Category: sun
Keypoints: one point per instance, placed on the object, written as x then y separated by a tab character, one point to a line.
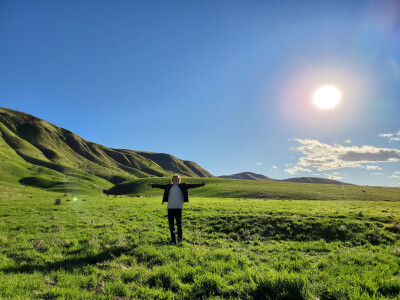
327	96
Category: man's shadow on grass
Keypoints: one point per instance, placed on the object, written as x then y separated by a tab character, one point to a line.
69	264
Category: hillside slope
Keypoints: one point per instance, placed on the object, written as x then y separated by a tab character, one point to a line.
36	152
246	176
314	180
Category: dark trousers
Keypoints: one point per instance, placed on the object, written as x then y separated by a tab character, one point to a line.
175	214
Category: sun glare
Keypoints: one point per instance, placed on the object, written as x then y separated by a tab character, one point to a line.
327	96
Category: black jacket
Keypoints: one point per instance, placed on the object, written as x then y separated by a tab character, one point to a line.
183	186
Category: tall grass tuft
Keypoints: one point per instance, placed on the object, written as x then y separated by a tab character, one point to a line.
284	286
389	288
116	289
165	278
207	285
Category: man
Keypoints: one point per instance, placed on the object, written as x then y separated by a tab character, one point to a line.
175	194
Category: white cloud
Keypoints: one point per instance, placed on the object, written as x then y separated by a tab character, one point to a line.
386	135
391	136
331	157
394	176
373	168
296	169
347	141
275	167
377	173
259	164
334	177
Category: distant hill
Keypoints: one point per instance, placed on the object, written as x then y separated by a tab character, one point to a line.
313	180
36	152
254	176
246	176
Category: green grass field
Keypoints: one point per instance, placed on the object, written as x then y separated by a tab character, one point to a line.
341	244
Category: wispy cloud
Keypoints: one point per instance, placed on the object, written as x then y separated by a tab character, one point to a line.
275	167
391	136
386	135
296	170
347	141
395	175
331	157
333	177
373	168
259	164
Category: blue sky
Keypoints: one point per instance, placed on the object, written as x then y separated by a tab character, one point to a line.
227	84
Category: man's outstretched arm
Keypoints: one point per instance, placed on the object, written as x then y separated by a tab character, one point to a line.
160	186
192	186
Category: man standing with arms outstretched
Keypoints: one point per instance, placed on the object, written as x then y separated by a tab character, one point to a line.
175	194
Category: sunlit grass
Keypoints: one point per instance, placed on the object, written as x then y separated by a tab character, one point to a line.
107	247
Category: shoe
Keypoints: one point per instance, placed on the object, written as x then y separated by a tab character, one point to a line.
172	242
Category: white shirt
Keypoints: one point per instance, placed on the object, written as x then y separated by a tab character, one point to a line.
175	197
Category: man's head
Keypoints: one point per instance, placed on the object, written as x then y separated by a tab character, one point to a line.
176	179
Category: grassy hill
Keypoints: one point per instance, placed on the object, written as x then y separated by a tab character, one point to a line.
35	152
247	176
314	180
261	189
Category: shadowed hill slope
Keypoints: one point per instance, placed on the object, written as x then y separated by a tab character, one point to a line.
32	147
169	162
